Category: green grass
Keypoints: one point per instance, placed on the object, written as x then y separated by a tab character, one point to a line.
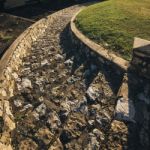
115	23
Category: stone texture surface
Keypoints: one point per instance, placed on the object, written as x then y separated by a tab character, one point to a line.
12	60
9	66
65	99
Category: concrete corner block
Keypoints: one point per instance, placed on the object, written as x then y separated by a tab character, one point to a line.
141	57
104	55
141	46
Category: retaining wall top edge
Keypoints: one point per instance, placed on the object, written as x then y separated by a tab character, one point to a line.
108	55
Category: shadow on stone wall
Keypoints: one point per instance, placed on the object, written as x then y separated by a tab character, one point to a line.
139	129
90	63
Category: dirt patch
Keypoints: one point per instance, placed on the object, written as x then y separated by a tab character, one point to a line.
10	28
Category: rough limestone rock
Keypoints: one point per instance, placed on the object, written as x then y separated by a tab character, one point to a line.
92	94
45	135
8	123
41	109
53	120
125	110
57	145
5	147
28	144
44	62
26	83
3	92
18	103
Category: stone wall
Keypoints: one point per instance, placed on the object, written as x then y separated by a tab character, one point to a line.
9	67
133	101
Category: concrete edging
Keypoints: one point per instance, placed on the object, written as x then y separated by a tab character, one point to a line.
103	53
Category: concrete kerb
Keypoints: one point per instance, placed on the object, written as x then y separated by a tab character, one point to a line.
9	65
101	52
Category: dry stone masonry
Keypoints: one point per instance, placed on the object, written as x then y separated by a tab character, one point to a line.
56	95
61	99
9	66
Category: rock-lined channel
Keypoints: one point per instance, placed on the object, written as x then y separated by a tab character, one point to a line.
62	100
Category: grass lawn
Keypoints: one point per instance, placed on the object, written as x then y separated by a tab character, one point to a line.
115	23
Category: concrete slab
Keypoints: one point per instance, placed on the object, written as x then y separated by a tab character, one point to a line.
141	47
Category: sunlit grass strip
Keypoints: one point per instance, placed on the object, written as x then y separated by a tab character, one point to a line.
115	23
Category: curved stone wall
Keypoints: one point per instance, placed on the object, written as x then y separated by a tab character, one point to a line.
91	48
9	66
